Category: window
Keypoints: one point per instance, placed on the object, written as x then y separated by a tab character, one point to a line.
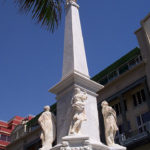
143	95
112	75
125	105
140	58
139	97
141	125
8	139
121	128
117	108
134	100
4	137
104	81
123	69
132	63
146	117
135	61
142	120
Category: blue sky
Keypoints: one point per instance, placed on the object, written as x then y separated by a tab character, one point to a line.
31	57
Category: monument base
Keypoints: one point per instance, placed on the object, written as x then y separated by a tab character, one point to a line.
78	142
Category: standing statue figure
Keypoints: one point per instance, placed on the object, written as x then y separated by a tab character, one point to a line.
48	126
78	105
110	122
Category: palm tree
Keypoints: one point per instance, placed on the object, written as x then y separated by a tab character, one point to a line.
46	12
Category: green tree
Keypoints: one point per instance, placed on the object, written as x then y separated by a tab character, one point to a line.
46	12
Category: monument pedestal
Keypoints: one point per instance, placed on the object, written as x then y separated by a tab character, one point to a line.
79	142
65	92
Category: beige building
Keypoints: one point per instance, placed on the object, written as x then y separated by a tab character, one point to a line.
127	84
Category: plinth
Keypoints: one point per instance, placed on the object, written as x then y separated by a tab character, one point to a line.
79	142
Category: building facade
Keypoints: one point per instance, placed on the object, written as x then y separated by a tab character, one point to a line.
26	136
127	89
5	130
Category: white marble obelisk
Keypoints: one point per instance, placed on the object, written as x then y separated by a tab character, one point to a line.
74	53
73	107
75	74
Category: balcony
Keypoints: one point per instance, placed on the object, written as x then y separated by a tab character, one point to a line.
4	130
3	143
135	138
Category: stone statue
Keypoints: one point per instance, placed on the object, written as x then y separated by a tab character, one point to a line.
78	105
48	126
110	122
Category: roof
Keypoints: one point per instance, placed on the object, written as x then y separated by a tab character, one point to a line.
34	121
132	54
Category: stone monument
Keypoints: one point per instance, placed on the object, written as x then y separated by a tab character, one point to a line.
77	114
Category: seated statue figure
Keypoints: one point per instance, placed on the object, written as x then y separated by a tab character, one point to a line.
110	122
48	125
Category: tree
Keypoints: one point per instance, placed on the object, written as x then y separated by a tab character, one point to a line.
46	12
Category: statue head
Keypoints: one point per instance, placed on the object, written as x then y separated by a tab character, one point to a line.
77	90
104	103
47	108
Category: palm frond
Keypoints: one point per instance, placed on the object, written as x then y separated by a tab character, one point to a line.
46	12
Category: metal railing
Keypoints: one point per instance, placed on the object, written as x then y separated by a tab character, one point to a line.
133	136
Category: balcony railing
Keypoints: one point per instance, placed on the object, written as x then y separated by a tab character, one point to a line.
134	136
4	142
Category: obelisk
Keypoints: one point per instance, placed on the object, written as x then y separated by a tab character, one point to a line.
77	114
75	75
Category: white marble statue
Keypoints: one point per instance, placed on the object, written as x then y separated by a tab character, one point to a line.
78	105
110	122
48	126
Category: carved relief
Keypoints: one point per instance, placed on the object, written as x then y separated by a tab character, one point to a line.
78	105
66	146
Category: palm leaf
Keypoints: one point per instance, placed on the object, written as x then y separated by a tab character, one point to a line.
46	12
